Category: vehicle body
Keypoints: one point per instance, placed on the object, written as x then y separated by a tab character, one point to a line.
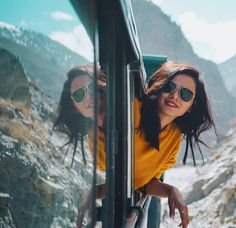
43	189
113	31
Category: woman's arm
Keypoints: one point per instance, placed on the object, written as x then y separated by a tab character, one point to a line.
175	199
85	205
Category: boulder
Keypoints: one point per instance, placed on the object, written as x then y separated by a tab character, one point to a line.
14	83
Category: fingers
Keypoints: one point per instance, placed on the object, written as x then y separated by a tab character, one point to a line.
79	222
183	211
172	210
176	201
80	218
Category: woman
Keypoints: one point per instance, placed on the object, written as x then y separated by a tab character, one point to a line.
175	104
76	105
75	115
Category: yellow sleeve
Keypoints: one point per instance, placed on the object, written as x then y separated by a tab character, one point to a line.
101	156
171	161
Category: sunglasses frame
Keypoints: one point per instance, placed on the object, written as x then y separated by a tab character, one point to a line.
85	89
178	88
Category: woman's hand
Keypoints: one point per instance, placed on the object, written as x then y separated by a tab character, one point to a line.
83	208
80	217
86	203
176	201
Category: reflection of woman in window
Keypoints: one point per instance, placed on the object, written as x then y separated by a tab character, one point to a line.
176	104
76	105
76	115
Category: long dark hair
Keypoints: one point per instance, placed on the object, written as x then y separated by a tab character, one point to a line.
69	120
192	124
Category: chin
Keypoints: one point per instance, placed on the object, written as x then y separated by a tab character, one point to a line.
89	115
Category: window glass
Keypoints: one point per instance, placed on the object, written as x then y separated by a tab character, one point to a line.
43	180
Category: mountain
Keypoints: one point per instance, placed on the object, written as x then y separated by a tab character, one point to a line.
159	35
228	72
36	188
15	86
45	61
209	190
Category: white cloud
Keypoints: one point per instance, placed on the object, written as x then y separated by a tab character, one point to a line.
61	16
214	41
77	40
156	2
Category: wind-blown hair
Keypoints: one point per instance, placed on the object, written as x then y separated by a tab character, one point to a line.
69	120
192	124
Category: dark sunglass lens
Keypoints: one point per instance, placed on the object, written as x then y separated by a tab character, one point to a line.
169	87
186	94
78	95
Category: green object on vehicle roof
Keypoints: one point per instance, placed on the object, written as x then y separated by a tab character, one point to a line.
152	63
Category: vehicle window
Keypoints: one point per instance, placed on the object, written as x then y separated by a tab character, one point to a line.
46	110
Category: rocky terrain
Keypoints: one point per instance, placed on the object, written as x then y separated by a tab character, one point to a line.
44	60
210	190
36	189
228	72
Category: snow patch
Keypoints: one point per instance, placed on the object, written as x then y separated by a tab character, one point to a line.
9	26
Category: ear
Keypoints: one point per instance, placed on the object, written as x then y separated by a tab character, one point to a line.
193	104
191	107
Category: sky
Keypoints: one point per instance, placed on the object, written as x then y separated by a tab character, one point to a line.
210	26
55	18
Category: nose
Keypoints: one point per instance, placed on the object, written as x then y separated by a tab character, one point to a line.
89	95
175	94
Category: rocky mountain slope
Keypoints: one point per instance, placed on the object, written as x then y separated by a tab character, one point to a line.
14	84
210	190
36	189
228	72
160	36
45	61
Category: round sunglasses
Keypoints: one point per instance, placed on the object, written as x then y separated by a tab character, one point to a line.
184	93
80	93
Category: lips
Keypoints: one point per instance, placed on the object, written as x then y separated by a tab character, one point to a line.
90	105
171	104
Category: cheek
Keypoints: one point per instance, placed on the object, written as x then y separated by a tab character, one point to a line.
79	107
186	107
161	98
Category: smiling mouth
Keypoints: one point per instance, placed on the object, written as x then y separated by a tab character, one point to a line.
171	104
90	105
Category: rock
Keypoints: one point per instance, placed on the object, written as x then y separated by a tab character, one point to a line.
14	82
222	177
45	193
196	192
49	189
211	192
5	200
217	208
6	219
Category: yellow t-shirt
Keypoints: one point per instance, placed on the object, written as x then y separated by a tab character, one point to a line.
149	162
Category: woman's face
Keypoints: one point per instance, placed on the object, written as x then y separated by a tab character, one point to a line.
172	104
82	97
